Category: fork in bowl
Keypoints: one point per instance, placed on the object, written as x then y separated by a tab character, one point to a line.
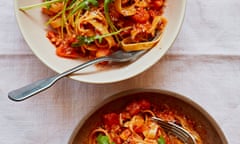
41	85
176	130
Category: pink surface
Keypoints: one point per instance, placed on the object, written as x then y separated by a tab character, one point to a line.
203	64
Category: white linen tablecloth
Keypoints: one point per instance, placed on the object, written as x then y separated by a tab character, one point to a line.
203	64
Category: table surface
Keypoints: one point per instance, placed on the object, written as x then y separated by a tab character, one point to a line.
203	64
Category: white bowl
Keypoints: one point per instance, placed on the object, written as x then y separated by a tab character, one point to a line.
33	30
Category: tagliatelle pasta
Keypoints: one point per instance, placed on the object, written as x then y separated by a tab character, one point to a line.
133	125
95	28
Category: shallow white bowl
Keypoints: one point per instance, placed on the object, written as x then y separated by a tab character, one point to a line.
33	30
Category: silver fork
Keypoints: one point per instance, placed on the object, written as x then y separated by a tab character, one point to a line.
176	130
41	85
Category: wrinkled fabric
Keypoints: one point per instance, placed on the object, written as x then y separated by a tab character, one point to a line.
203	64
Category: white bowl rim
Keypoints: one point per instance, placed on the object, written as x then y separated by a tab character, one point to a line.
121	76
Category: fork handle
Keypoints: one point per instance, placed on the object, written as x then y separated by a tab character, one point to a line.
41	85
